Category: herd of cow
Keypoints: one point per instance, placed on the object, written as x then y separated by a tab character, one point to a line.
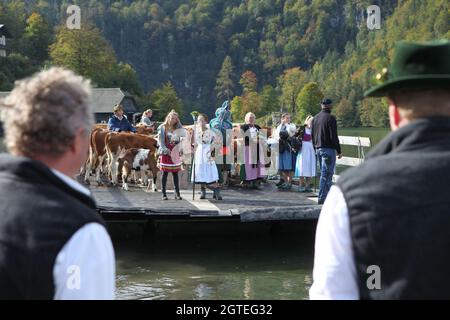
115	154
119	155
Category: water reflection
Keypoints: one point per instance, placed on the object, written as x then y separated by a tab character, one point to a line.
247	288
232	262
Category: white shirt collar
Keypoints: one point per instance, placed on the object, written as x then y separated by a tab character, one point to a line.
71	182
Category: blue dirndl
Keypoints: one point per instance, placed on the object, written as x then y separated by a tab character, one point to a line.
286	161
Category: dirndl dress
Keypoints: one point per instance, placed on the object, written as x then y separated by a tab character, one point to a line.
286	161
306	159
170	162
205	167
254	167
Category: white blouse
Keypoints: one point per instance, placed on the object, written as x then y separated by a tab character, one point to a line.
85	267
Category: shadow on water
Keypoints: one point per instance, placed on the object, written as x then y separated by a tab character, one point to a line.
214	260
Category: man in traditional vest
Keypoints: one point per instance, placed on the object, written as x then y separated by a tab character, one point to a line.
383	232
53	244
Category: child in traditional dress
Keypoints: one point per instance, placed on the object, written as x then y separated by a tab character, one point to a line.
205	170
170	133
306	159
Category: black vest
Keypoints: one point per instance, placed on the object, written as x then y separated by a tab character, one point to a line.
39	214
399	207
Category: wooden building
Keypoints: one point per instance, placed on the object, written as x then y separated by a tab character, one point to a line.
103	101
4	34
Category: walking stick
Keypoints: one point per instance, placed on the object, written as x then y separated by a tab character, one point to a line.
194	115
193	172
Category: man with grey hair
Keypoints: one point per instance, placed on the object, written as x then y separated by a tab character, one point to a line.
53	244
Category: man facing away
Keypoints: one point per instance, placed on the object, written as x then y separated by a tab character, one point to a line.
118	122
383	232
53	244
326	142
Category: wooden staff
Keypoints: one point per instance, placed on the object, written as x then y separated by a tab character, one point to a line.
194	115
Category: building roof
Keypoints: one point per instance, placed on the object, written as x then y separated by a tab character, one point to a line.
4	31
104	99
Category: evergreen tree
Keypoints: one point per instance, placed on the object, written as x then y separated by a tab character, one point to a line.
37	38
166	99
12	67
224	82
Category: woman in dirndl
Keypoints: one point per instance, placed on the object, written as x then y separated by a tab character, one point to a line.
253	169
170	133
306	159
205	170
286	156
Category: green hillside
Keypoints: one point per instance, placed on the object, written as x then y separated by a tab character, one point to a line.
276	49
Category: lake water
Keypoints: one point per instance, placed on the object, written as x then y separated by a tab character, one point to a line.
219	261
234	261
375	135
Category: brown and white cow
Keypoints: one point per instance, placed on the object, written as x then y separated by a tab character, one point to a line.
103	126
116	142
145	130
97	154
142	160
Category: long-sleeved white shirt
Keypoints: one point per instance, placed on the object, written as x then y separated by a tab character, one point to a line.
334	273
85	267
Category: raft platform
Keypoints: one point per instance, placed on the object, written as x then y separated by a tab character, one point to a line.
239	204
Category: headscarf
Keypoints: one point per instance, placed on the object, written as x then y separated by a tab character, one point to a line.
222	121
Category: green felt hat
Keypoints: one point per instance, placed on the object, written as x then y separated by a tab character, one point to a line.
416	66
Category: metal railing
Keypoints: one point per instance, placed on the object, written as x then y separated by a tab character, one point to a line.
360	143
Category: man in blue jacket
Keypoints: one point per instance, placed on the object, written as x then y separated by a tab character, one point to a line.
118	122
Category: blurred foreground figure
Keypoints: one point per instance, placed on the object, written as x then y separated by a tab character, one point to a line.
383	232
53	244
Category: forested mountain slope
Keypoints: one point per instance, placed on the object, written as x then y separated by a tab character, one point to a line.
282	44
